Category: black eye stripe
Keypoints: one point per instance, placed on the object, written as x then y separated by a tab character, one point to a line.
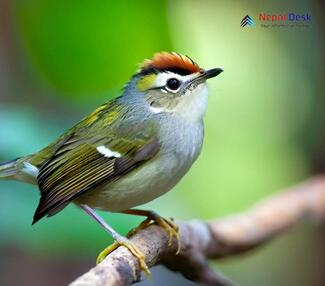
177	70
173	83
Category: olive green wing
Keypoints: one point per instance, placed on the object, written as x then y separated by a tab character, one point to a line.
82	163
105	116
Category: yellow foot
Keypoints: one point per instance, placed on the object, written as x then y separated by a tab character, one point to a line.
167	224
122	241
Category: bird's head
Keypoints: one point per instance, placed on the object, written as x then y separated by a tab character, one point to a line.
171	82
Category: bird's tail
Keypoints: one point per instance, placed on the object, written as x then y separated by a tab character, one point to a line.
19	169
8	169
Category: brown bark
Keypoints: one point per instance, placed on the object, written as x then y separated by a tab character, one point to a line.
201	241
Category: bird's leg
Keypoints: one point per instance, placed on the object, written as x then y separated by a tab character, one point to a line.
152	217
119	241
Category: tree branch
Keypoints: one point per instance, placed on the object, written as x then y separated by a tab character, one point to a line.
214	240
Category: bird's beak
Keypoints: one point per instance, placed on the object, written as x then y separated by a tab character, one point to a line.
204	75
211	73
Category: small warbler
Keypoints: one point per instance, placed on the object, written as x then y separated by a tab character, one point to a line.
129	151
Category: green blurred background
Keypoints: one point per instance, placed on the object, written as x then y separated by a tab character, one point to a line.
264	126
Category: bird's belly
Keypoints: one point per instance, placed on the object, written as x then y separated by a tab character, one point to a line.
140	186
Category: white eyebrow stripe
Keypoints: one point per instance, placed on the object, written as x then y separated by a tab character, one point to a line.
107	152
164	76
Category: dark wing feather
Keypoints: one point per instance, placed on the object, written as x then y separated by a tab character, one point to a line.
77	167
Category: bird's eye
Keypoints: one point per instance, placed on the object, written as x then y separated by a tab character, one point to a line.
173	83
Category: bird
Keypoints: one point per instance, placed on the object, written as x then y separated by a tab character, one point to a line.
129	151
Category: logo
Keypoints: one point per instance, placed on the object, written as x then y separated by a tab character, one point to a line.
284	17
285	20
278	20
247	20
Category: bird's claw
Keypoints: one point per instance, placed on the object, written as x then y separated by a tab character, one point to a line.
122	241
168	224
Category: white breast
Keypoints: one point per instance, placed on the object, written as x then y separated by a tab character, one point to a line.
178	152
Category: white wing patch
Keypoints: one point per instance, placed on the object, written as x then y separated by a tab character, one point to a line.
30	170
107	152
